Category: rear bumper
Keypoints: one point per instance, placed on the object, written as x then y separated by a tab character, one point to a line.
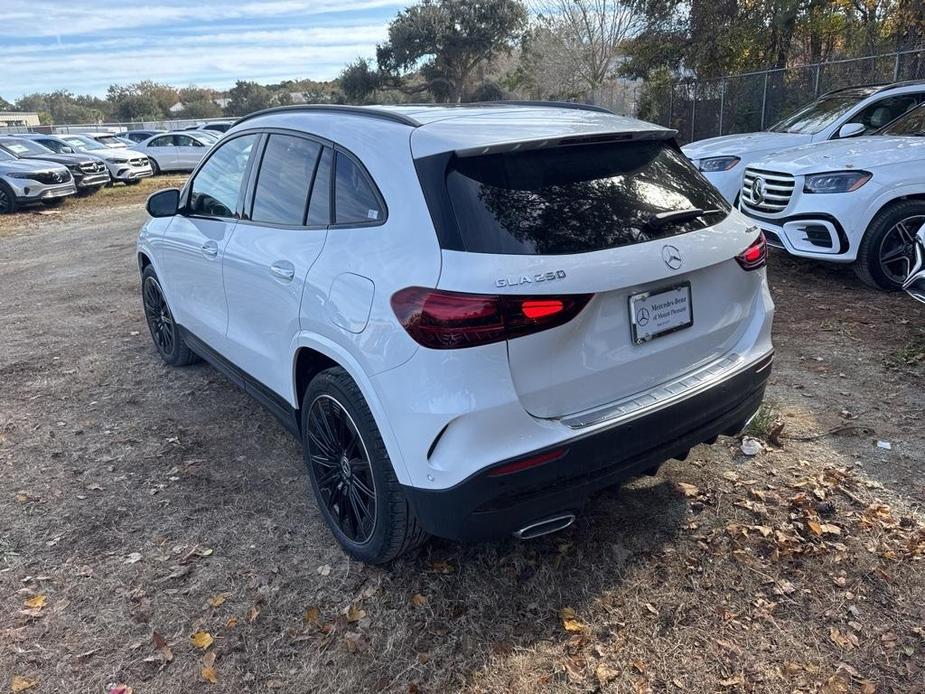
484	506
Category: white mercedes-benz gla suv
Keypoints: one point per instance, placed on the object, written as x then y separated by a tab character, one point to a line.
473	317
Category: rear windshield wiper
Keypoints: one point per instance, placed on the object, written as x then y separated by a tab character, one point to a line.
661	219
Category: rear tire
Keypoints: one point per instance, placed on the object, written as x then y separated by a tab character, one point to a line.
887	251
164	330
351	473
7	199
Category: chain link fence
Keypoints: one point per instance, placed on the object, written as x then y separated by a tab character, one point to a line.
175	124
698	109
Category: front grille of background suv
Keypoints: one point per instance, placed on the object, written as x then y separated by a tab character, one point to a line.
142	161
778	189
93	167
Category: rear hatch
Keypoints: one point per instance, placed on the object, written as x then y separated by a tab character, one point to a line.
629	222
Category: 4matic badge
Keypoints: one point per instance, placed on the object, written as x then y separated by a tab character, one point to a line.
530	279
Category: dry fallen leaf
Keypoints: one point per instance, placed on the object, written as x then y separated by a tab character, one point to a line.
121	689
814	526
418	600
218	600
163	648
688	490
36	603
324	569
209	674
605	673
232	622
355	613
202	639
21	684
440	566
570	621
312	616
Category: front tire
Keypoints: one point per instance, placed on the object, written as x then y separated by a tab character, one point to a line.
164	330
7	199
351	473
887	251
154	167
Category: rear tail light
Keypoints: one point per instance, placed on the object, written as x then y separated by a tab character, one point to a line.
452	320
756	255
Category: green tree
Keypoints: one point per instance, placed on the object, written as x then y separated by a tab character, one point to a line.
444	41
149	100
61	107
5	105
246	97
359	81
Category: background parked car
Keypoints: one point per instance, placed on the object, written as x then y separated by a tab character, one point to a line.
215	126
89	173
108	139
839	114
124	165
29	181
176	151
140	135
858	201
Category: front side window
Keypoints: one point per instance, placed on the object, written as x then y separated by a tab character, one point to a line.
885	111
579	198
284	180
354	199
216	190
55	146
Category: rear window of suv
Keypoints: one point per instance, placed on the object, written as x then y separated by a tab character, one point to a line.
575	199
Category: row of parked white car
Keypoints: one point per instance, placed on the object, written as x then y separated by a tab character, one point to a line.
42	168
841	180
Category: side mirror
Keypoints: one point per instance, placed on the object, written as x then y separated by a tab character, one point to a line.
163	203
850	130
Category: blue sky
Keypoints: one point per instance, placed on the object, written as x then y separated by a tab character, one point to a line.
86	45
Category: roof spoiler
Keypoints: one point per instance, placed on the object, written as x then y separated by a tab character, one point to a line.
569	141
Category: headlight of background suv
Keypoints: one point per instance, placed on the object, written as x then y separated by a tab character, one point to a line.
21	174
836	181
714	164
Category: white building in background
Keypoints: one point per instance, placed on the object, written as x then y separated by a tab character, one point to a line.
18	119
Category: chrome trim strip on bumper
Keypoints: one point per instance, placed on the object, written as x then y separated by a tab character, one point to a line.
667	393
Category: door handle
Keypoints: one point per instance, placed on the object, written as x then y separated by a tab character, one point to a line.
209	249
283	270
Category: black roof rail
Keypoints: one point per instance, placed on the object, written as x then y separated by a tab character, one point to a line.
367	111
548	104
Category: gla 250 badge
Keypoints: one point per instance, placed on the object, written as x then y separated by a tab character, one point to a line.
530	279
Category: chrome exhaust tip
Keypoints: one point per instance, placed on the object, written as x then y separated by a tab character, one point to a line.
545	526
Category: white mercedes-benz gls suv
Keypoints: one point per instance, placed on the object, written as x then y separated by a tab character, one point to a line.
473	317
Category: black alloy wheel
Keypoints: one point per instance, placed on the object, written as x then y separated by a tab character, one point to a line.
341	466
160	320
897	248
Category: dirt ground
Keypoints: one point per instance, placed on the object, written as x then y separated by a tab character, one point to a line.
158	530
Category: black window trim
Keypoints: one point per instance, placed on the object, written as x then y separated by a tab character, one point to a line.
186	192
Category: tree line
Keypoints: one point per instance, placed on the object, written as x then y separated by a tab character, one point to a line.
477	50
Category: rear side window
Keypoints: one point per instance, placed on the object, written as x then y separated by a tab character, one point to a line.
284	180
355	202
576	199
217	187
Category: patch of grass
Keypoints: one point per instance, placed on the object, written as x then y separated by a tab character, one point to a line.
767	416
910	354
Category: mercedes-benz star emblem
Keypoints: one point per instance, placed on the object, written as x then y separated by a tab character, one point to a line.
642	317
672	257
758	189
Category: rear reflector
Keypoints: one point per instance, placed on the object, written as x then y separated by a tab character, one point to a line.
527	463
453	320
756	255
